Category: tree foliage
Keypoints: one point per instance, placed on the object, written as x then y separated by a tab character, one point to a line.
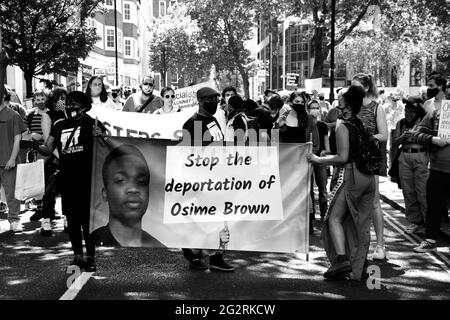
46	36
175	46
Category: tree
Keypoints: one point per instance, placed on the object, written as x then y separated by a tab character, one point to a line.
403	29
175	46
46	36
225	26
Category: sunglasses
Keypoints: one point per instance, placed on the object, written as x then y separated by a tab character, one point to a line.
147	84
170	96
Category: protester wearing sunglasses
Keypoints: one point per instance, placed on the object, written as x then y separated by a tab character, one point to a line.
144	101
168	95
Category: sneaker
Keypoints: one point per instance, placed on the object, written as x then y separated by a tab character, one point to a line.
90	265
46	228
16	226
216	262
379	253
425	246
36	216
338	269
198	264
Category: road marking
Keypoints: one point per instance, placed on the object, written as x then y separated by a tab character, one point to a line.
76	286
444	265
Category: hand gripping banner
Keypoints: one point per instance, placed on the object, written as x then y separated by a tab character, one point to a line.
160	193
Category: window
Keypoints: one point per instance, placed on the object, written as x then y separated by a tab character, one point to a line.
110	38
127	47
162	8
109	3
126	11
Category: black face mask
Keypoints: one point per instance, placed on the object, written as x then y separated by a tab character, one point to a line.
321	98
210	107
431	93
114	95
298	107
74	113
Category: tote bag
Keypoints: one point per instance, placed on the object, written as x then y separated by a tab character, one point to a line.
30	181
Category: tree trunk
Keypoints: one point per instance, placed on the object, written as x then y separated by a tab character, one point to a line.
245	82
319	53
28	75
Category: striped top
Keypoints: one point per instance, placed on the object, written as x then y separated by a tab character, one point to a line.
367	115
33	122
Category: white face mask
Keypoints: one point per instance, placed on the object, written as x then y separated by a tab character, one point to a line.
147	89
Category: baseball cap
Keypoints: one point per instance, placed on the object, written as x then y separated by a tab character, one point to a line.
269	91
414	101
206	92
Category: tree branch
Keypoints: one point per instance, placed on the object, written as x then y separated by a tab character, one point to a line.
352	26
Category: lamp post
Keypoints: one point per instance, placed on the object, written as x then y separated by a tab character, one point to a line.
333	21
115	38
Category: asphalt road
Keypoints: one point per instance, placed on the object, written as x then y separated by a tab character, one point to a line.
34	267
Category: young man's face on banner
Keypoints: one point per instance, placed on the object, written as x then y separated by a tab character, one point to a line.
127	189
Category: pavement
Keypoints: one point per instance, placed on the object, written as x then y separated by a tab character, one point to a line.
33	267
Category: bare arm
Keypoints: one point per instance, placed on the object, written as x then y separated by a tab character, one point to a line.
15	151
342	145
47	148
382	126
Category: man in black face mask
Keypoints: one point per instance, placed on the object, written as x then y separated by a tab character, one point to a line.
435	93
74	139
203	127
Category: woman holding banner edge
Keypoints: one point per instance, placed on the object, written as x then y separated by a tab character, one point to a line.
346	229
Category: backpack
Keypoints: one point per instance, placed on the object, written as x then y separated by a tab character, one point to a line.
368	157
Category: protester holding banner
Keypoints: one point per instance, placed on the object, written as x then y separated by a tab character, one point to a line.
96	90
373	117
126	181
320	172
144	101
346	230
203	127
73	137
168	96
236	127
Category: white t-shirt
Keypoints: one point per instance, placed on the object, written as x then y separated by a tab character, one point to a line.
107	104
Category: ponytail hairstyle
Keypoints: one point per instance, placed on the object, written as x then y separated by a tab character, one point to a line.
367	82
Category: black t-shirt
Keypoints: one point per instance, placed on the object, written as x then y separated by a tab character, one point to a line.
75	156
55	115
104	237
210	128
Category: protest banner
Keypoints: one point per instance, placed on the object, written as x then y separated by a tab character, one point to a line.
260	193
155	126
444	121
313	84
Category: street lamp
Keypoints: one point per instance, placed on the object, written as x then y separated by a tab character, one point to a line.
115	38
333	21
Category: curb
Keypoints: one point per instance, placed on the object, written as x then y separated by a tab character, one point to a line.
396	206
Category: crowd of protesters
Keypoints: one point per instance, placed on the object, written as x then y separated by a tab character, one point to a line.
347	211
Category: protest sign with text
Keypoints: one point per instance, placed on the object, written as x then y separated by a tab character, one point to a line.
444	121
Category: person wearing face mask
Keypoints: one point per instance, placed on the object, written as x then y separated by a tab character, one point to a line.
56	111
116	98
346	229
204	127
325	106
412	164
436	85
144	101
320	172
296	125
373	117
96	90
73	137
438	183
